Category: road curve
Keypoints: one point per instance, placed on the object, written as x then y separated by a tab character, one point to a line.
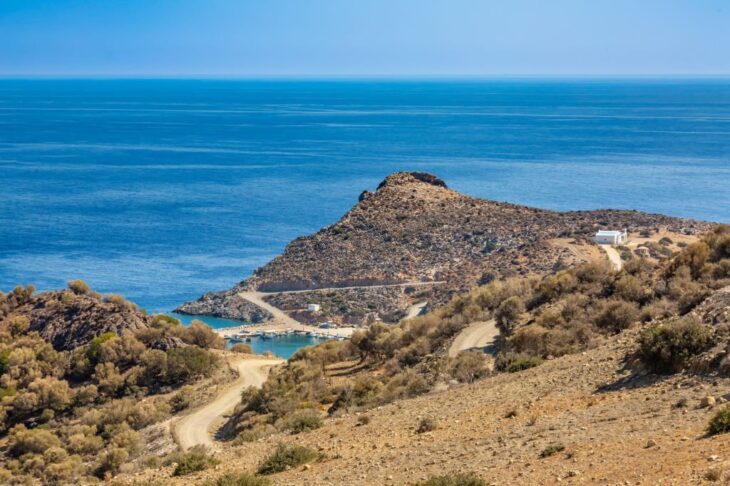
196	427
481	335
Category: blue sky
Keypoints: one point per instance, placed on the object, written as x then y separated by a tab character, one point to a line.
364	37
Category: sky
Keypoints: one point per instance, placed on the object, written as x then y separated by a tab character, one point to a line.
364	37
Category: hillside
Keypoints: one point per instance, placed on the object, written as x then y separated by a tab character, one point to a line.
414	229
85	378
601	376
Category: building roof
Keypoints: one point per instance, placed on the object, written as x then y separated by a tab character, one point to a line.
608	233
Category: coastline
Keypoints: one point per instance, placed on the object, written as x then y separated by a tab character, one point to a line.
288	328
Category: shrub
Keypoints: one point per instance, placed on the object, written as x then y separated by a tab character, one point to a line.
427	424
720	423
31	441
184	364
286	457
513	362
667	347
182	399
508	313
240	479
79	287
469	366
195	459
18	325
552	450
303	421
242	348
615	315
453	480
111	461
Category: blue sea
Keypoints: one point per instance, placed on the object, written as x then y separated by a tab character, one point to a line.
163	189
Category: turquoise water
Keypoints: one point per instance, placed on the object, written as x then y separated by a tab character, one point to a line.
163	189
282	346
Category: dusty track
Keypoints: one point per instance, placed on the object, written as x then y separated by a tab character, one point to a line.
480	335
196	427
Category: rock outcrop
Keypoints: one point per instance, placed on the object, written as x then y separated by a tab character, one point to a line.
68	320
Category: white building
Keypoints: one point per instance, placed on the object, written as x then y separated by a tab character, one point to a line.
313	307
610	237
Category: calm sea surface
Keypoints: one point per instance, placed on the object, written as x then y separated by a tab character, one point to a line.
161	190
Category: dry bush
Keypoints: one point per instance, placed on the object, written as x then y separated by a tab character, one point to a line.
79	287
668	347
286	457
242	348
468	366
614	315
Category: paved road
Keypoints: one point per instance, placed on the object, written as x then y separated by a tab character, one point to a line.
196	427
613	256
480	335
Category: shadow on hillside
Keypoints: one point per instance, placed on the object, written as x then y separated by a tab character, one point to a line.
631	382
637	378
346	369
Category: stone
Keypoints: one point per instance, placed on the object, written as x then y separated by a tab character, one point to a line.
708	401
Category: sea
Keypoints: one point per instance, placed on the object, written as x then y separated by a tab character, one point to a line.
162	189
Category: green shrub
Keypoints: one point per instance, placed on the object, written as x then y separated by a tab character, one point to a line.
720	423
453	480
184	364
667	347
286	457
240	479
196	459
513	362
303	421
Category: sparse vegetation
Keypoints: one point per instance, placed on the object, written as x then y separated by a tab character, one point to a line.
720	422
427	424
303	421
458	479
196	459
551	450
241	479
286	457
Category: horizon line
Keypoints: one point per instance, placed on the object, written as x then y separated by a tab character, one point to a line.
423	76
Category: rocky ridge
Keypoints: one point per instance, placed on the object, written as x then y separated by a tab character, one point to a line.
68	320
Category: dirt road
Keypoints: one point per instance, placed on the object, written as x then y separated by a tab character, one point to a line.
478	335
196	427
613	256
416	309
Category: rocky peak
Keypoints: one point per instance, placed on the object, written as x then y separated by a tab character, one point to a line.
405	178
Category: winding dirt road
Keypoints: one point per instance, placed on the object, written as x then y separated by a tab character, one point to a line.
481	335
197	427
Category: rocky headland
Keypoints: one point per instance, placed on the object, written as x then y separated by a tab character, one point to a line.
413	228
